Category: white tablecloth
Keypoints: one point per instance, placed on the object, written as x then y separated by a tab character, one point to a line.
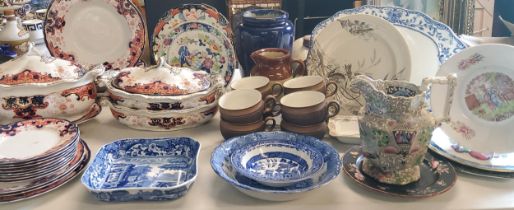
211	192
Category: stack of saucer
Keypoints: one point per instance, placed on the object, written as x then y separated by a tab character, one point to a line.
37	156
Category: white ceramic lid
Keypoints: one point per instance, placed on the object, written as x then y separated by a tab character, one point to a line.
162	79
32	67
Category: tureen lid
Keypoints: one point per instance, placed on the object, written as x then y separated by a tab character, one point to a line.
162	79
33	67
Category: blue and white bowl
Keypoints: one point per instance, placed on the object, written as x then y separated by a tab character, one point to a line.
143	169
277	163
221	164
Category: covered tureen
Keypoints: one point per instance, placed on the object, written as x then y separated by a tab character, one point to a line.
33	86
163	97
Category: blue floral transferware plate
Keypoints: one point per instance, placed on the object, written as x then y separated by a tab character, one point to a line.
437	177
220	162
277	163
197	45
143	169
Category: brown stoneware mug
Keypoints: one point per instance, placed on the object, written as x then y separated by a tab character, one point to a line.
260	83
307	108
229	130
276	64
316	130
314	83
246	106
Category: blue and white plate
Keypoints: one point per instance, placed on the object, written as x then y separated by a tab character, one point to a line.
143	169
220	162
277	163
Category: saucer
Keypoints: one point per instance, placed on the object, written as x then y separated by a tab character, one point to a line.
437	177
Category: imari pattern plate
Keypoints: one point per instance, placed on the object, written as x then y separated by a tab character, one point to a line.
95	32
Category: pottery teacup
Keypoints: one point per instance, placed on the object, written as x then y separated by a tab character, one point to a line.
316	130
246	106
314	83
229	130
260	83
307	108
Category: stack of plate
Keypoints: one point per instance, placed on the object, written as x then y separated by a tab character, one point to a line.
37	156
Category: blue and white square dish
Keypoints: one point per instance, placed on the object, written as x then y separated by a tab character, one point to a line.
221	164
143	169
277	163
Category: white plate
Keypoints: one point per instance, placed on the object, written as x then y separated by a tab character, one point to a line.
93	32
357	44
482	115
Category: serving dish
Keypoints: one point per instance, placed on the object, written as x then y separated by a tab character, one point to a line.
277	163
196	45
437	177
60	180
162	88
95	32
164	120
482	115
378	50
33	86
220	163
143	169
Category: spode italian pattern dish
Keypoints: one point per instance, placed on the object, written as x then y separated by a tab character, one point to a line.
196	45
220	163
143	169
380	52
482	117
33	86
93	32
277	163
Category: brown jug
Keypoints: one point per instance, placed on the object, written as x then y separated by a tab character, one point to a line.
276	64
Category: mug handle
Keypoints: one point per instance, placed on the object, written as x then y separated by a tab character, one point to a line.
269	127
451	82
270	103
300	68
334	89
334	105
277	89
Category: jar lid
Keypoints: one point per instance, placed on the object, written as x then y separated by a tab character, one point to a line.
33	67
162	79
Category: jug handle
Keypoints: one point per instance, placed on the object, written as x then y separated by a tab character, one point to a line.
300	68
451	82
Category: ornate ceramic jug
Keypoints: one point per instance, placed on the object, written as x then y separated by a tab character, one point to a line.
276	64
396	127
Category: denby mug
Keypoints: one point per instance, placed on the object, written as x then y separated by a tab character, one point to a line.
260	83
307	108
246	106
276	64
314	83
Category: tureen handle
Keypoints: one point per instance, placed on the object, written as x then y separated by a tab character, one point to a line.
162	63
451	82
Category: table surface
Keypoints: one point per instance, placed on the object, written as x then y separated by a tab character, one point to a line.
211	192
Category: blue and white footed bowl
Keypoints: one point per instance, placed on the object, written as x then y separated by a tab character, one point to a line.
221	164
143	169
277	163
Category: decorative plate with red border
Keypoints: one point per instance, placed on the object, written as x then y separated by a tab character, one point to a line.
93	32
